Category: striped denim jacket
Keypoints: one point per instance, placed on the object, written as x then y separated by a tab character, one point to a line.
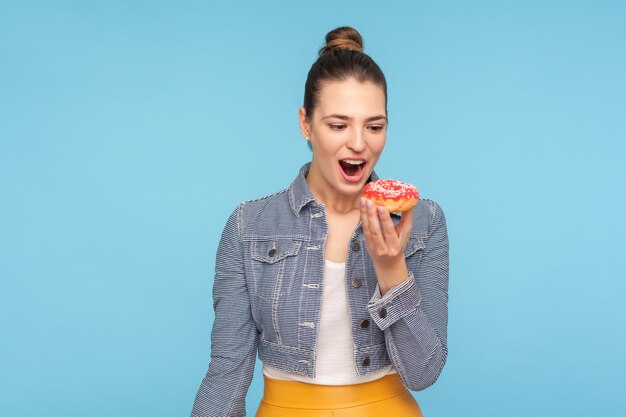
267	295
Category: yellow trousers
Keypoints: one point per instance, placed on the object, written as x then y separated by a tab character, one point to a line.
386	396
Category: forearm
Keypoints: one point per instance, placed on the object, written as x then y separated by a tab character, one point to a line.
223	390
415	348
414	313
234	336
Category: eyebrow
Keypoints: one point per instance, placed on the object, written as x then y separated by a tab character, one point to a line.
344	117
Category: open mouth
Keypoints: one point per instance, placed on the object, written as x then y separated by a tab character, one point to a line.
352	168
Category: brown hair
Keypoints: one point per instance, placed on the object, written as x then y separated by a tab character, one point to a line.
341	58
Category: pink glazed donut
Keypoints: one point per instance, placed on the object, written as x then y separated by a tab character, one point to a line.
395	196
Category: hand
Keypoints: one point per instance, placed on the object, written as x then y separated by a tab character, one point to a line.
386	243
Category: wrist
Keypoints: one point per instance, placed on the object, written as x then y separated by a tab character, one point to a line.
390	276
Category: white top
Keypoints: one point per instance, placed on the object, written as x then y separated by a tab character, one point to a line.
334	364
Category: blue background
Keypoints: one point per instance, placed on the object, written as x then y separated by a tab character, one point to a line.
130	130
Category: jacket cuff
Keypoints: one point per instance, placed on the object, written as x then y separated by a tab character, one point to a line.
397	302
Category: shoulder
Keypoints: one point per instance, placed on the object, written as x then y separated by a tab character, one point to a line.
259	205
264	212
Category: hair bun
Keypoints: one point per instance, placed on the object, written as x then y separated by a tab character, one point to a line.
344	37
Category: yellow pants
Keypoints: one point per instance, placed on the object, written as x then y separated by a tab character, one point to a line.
386	396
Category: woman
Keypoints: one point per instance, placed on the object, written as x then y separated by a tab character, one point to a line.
345	302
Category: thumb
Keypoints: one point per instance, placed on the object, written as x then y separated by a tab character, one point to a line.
403	228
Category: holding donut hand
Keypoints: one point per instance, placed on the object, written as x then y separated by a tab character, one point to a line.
385	241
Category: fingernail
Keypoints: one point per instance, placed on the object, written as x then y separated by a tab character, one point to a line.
362	202
381	210
369	204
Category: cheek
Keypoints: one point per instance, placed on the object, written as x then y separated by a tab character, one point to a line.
327	147
377	145
323	151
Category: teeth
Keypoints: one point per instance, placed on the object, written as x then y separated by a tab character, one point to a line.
352	162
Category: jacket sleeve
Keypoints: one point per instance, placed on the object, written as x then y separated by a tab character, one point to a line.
234	337
414	313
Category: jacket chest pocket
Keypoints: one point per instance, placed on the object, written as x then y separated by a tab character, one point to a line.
274	263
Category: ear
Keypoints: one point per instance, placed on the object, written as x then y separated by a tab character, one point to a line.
305	126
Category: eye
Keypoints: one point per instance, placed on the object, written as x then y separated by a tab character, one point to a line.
337	126
376	128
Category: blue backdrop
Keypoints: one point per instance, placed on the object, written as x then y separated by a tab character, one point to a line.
120	122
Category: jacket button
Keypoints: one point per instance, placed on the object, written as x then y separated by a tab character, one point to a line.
365	323
272	252
356	247
366	361
356	282
382	312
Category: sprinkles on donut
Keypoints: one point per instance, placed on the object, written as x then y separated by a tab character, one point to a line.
395	196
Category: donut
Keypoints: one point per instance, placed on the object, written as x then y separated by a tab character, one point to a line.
395	196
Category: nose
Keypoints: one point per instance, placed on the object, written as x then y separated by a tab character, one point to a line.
357	141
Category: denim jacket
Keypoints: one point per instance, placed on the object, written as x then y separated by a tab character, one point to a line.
267	296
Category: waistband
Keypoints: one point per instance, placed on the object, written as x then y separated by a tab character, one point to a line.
297	394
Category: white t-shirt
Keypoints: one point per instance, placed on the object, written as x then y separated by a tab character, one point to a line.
334	363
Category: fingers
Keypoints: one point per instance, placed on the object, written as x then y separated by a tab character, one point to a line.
407	224
380	232
365	222
371	227
364	219
389	230
403	228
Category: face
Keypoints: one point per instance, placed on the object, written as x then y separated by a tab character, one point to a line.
347	132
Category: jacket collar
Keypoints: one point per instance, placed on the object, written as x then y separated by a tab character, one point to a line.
300	194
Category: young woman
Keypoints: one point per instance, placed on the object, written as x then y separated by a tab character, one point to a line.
345	302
